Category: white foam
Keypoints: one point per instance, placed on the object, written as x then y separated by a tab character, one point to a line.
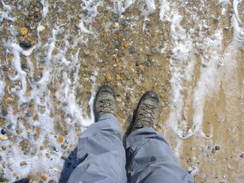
45	8
2	87
183	64
236	22
83	28
128	3
5	12
90	6
57	68
42	97
165	14
150	7
145	6
208	83
224	1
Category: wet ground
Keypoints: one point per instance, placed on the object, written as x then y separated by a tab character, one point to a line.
54	55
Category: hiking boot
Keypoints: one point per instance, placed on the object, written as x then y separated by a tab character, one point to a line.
104	102
147	112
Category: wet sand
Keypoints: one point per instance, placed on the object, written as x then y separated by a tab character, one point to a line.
54	55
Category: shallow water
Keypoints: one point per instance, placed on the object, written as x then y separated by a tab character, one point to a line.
54	55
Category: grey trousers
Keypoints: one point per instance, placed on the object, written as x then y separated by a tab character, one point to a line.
103	156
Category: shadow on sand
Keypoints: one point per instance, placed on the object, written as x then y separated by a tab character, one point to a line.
69	165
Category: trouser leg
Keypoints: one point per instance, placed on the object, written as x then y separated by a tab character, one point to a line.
150	159
102	153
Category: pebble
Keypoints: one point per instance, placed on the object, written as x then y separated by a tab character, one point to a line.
44	177
60	139
2	121
25	44
169	54
126	45
48	155
10	99
118	77
132	50
3	131
242	155
40	28
24	66
4	112
55	52
4	138
23	31
108	77
22	163
42	147
217	147
24	145
141	67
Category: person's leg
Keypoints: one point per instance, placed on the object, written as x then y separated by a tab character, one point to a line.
150	159
100	150
149	156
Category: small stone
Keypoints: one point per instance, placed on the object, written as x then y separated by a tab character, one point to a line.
132	50
242	155
42	147
3	131
25	44
24	145
4	138
118	77
37	77
217	147
117	61
19	131
108	77
4	112
126	45
23	31
60	139
10	99
78	132
55	52
22	163
116	43
9	57
40	28
48	155
44	177
169	54
24	66
9	126
141	67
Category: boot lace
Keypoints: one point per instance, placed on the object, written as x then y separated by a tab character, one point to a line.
105	105
147	113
